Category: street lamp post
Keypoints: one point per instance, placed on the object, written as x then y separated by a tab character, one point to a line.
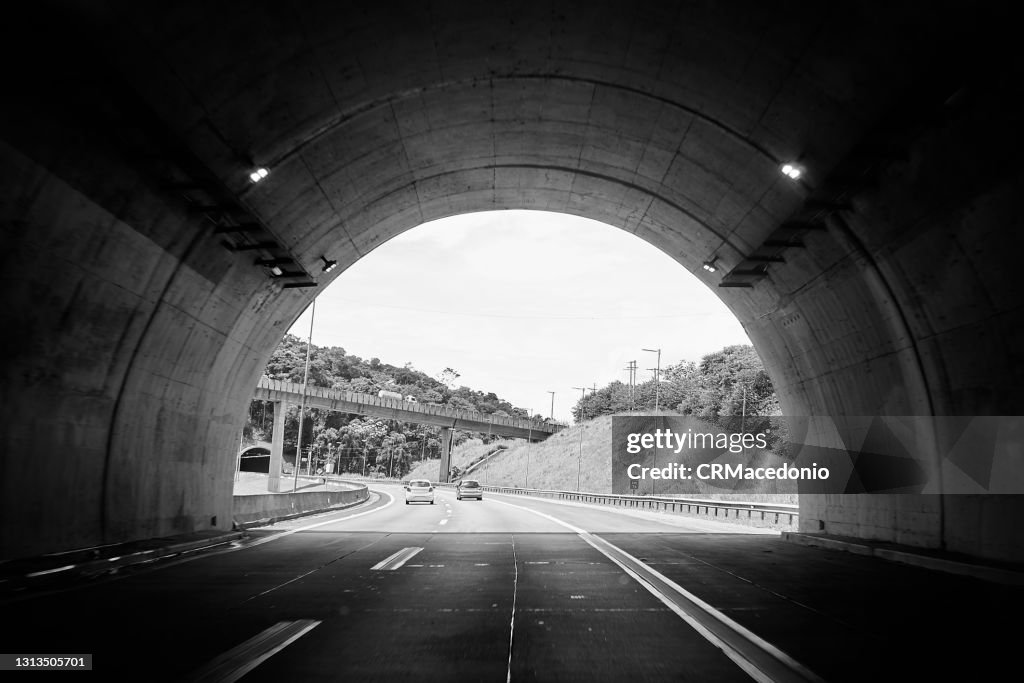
302	405
529	442
657	380
238	458
743	419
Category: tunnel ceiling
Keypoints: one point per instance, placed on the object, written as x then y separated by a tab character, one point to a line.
667	120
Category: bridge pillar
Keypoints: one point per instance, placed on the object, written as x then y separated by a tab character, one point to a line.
277	447
446	454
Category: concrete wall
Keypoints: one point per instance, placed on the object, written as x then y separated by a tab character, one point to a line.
137	337
272	506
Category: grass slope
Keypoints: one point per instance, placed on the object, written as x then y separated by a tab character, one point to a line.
556	462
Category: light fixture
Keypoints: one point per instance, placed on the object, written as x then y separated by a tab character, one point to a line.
258	174
276	270
328	265
711	266
792	170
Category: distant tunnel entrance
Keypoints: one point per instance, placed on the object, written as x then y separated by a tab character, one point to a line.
149	277
254	460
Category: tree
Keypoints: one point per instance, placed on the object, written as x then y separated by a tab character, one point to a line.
710	389
350	438
448	377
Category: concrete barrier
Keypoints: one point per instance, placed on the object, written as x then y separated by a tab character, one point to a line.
272	507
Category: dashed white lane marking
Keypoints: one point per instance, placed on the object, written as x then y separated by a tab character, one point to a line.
397	560
444	521
761	660
242	659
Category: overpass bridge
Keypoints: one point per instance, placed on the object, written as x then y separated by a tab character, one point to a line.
445	417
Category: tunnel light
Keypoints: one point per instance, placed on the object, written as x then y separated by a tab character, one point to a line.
258	174
792	170
328	265
276	270
711	266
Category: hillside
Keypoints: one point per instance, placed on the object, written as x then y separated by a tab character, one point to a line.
556	462
723	385
464	457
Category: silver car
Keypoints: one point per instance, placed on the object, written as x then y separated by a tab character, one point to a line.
419	491
469	488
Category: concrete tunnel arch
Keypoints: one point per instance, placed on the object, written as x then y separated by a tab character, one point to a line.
145	323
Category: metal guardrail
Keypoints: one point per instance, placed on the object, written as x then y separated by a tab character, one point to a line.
770	513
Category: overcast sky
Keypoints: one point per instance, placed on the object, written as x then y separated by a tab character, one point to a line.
520	303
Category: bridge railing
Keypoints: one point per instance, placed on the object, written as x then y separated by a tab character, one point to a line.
383	402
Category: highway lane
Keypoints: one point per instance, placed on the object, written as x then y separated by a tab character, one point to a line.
508	575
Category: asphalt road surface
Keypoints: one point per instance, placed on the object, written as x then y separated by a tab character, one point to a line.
521	589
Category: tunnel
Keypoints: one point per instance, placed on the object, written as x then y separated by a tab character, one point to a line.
149	274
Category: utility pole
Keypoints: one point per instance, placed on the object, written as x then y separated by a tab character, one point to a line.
657	379
582	396
633	371
579	461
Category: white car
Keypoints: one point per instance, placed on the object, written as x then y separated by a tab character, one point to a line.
419	491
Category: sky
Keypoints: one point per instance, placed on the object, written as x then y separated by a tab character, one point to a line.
521	303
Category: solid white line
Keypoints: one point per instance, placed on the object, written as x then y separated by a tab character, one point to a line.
512	621
335	520
667	518
240	660
793	670
51	571
397	560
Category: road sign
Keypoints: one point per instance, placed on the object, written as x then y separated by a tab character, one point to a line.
634	483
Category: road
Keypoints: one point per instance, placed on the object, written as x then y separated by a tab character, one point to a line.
514	588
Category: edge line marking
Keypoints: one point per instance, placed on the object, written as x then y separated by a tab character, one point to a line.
794	670
243	658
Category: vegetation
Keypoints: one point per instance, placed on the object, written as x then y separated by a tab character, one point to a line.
360	444
724	384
